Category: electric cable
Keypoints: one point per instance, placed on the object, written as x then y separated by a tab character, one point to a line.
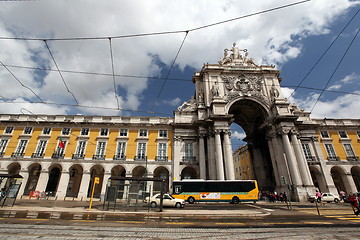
62	78
113	73
336	68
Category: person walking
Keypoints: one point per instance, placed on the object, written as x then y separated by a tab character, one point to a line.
354	201
318	196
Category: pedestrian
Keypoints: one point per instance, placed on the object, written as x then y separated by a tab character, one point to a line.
342	195
354	201
318	195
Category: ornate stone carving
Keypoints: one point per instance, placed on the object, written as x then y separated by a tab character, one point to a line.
188	106
236	58
242	86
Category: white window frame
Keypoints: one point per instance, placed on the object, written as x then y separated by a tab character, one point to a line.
163	133
349	150
307	150
101	148
141	150
104	132
46	130
84	132
28	130
8	130
121	150
81	147
65	131
40	149
3	144
330	151
21	147
343	134
143	132
123	132
324	134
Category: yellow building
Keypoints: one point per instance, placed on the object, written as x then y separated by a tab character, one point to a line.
63	154
242	163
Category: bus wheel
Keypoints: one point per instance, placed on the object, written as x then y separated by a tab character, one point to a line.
191	200
235	200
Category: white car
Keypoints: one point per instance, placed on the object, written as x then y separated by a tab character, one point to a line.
168	201
326	197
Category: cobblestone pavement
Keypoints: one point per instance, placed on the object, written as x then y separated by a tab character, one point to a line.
27	231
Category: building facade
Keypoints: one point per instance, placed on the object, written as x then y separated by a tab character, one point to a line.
63	155
243	163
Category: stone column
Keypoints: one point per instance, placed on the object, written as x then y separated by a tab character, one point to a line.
291	160
106	177
324	168
63	184
25	175
303	167
84	186
349	183
177	158
211	157
229	162
42	181
219	156
202	164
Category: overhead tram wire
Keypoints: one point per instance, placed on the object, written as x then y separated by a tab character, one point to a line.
23	85
328	48
168	74
155	33
335	70
113	73
52	56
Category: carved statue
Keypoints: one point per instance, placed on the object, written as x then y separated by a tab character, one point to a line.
215	90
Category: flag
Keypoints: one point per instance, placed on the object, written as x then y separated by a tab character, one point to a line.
61	144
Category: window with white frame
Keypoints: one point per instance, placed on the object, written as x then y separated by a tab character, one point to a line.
123	132
358	134
307	151
9	130
121	150
101	147
343	134
27	130
84	131
141	151
143	133
46	130
65	131
80	151
189	152
20	150
40	148
59	149
104	132
163	133
349	150
330	151
324	134
162	152
3	143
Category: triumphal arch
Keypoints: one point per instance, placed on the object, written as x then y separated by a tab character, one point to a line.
236	90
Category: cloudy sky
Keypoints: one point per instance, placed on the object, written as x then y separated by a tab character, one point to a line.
154	48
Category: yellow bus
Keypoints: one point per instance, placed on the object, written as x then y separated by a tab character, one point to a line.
233	191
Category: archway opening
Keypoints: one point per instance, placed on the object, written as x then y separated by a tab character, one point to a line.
96	171
355	173
34	173
76	172
52	185
251	117
163	173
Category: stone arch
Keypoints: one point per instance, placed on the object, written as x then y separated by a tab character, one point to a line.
188	173
96	171
252	114
355	173
338	175
54	179
34	171
139	171
318	179
75	176
118	171
163	173
14	168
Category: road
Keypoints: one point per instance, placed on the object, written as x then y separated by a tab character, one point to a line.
336	221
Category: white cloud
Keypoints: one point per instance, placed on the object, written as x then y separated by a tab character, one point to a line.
271	38
235	135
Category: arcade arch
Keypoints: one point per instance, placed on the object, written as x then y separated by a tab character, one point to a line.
96	171
163	173
76	173
34	173
355	173
53	181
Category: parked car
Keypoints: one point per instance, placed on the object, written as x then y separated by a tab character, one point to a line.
325	197
168	201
